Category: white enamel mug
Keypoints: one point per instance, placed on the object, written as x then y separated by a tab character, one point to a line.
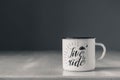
78	53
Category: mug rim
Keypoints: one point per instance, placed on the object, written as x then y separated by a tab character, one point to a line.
78	37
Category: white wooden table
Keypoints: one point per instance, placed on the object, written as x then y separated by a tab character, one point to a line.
47	65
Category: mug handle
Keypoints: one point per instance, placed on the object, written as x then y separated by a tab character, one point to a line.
104	50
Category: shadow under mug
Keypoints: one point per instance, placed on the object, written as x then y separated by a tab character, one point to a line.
78	53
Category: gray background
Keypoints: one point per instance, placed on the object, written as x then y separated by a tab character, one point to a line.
40	24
